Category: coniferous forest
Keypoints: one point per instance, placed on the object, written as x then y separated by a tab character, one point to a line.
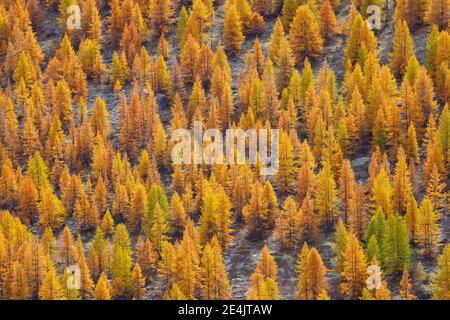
93	207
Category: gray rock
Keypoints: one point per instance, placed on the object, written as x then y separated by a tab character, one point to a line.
163	101
358	162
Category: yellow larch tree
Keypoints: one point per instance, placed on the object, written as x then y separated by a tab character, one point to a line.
255	213
354	272
305	37
187	270
161	16
264	279
346	188
382	193
402	188
403	48
137	283
441	284
50	288
311	274
406	291
287	230
428	228
102	291
438	13
214	278
286	173
326	196
327	20
232	30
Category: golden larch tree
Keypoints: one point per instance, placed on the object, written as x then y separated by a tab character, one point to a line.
354	271
305	37
232	31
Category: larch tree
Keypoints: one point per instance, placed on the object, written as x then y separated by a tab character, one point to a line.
412	147
403	48
159	228
10	136
50	288
382	193
146	256
402	187
411	217
115	22
309	220
410	104
107	223
214	278
255	213
306	176
137	283
287	230
50	209
284	64
435	190
138	204
286	173
209	213
444	130
432	44
28	199
339	246
275	39
302	269
187	269
441	284
311	274
66	250
167	263
327	20
417	11
288	12
155	196
305	37
200	19
354	273
401	11
177	213
121	262
406	288
438	13
358	210
223	219
428	229
360	37
30	138
161	16
87	285
245	13
346	189
395	244
326	196
232	31
174	293
383	292
264	279
101	289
